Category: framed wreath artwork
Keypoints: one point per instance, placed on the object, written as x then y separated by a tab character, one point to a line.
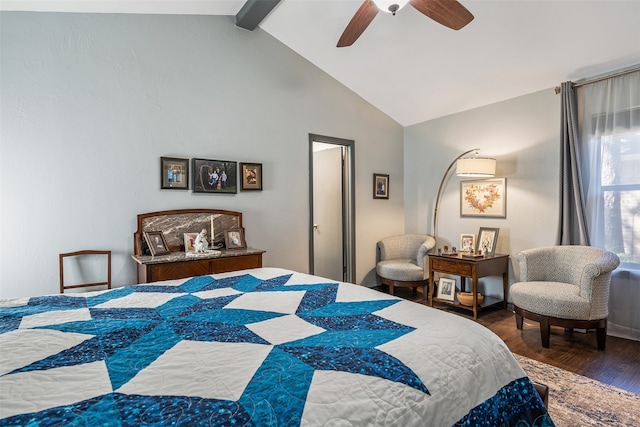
484	197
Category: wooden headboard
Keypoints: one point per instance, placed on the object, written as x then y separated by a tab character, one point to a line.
174	223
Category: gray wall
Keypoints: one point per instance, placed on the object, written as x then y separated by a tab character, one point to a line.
523	135
91	102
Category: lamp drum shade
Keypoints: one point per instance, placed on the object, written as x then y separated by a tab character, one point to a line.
476	167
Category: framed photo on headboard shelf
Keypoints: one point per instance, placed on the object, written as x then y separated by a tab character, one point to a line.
156	242
234	238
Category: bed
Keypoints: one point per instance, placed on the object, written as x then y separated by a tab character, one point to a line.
263	347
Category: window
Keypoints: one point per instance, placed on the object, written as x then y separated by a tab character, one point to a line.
620	189
610	162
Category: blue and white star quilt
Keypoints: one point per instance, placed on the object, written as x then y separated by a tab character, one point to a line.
262	347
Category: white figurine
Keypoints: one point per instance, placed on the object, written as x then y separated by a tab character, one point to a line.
201	243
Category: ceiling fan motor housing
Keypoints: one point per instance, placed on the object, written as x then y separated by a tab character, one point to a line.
390	6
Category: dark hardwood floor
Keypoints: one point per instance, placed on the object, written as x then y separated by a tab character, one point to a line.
618	365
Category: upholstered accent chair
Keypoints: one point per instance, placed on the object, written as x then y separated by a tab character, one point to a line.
401	260
566	286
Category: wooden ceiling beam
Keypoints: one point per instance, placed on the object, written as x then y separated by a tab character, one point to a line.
253	12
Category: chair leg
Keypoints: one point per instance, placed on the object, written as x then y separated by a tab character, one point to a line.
519	322
545	331
601	337
390	289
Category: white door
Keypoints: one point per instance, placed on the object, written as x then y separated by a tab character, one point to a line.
328	233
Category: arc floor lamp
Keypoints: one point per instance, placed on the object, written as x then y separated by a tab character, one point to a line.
478	167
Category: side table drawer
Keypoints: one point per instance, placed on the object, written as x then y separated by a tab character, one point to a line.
451	267
223	265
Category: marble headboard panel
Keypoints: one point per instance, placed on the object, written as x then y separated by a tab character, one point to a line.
175	223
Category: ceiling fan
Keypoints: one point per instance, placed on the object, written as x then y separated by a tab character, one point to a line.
449	13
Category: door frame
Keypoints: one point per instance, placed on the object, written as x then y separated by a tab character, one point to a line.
348	204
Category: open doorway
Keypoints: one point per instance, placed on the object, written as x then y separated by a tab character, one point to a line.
332	206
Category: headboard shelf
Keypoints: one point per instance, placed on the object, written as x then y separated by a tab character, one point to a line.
178	264
174	223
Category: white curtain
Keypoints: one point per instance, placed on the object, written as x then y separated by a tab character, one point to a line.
609	151
609	118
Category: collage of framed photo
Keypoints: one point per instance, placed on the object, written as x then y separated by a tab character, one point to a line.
209	176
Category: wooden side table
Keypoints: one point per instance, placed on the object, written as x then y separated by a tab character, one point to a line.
473	268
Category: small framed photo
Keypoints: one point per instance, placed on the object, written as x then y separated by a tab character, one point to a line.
156	242
380	186
250	176
234	238
215	176
190	242
174	173
484	197
446	289
487	241
467	243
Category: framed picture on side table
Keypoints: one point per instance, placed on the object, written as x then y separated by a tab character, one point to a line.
156	242
467	243
487	241
446	289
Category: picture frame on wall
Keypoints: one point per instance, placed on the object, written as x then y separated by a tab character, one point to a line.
156	242
487	241
251	176
446	289
174	173
215	176
380	186
234	239
484	198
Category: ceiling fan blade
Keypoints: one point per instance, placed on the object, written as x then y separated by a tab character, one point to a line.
449	13
358	23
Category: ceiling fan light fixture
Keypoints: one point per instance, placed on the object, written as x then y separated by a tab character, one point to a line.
390	6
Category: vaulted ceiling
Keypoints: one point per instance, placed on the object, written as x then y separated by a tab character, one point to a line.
414	69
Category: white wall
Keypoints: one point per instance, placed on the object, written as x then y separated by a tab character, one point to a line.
91	102
523	134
